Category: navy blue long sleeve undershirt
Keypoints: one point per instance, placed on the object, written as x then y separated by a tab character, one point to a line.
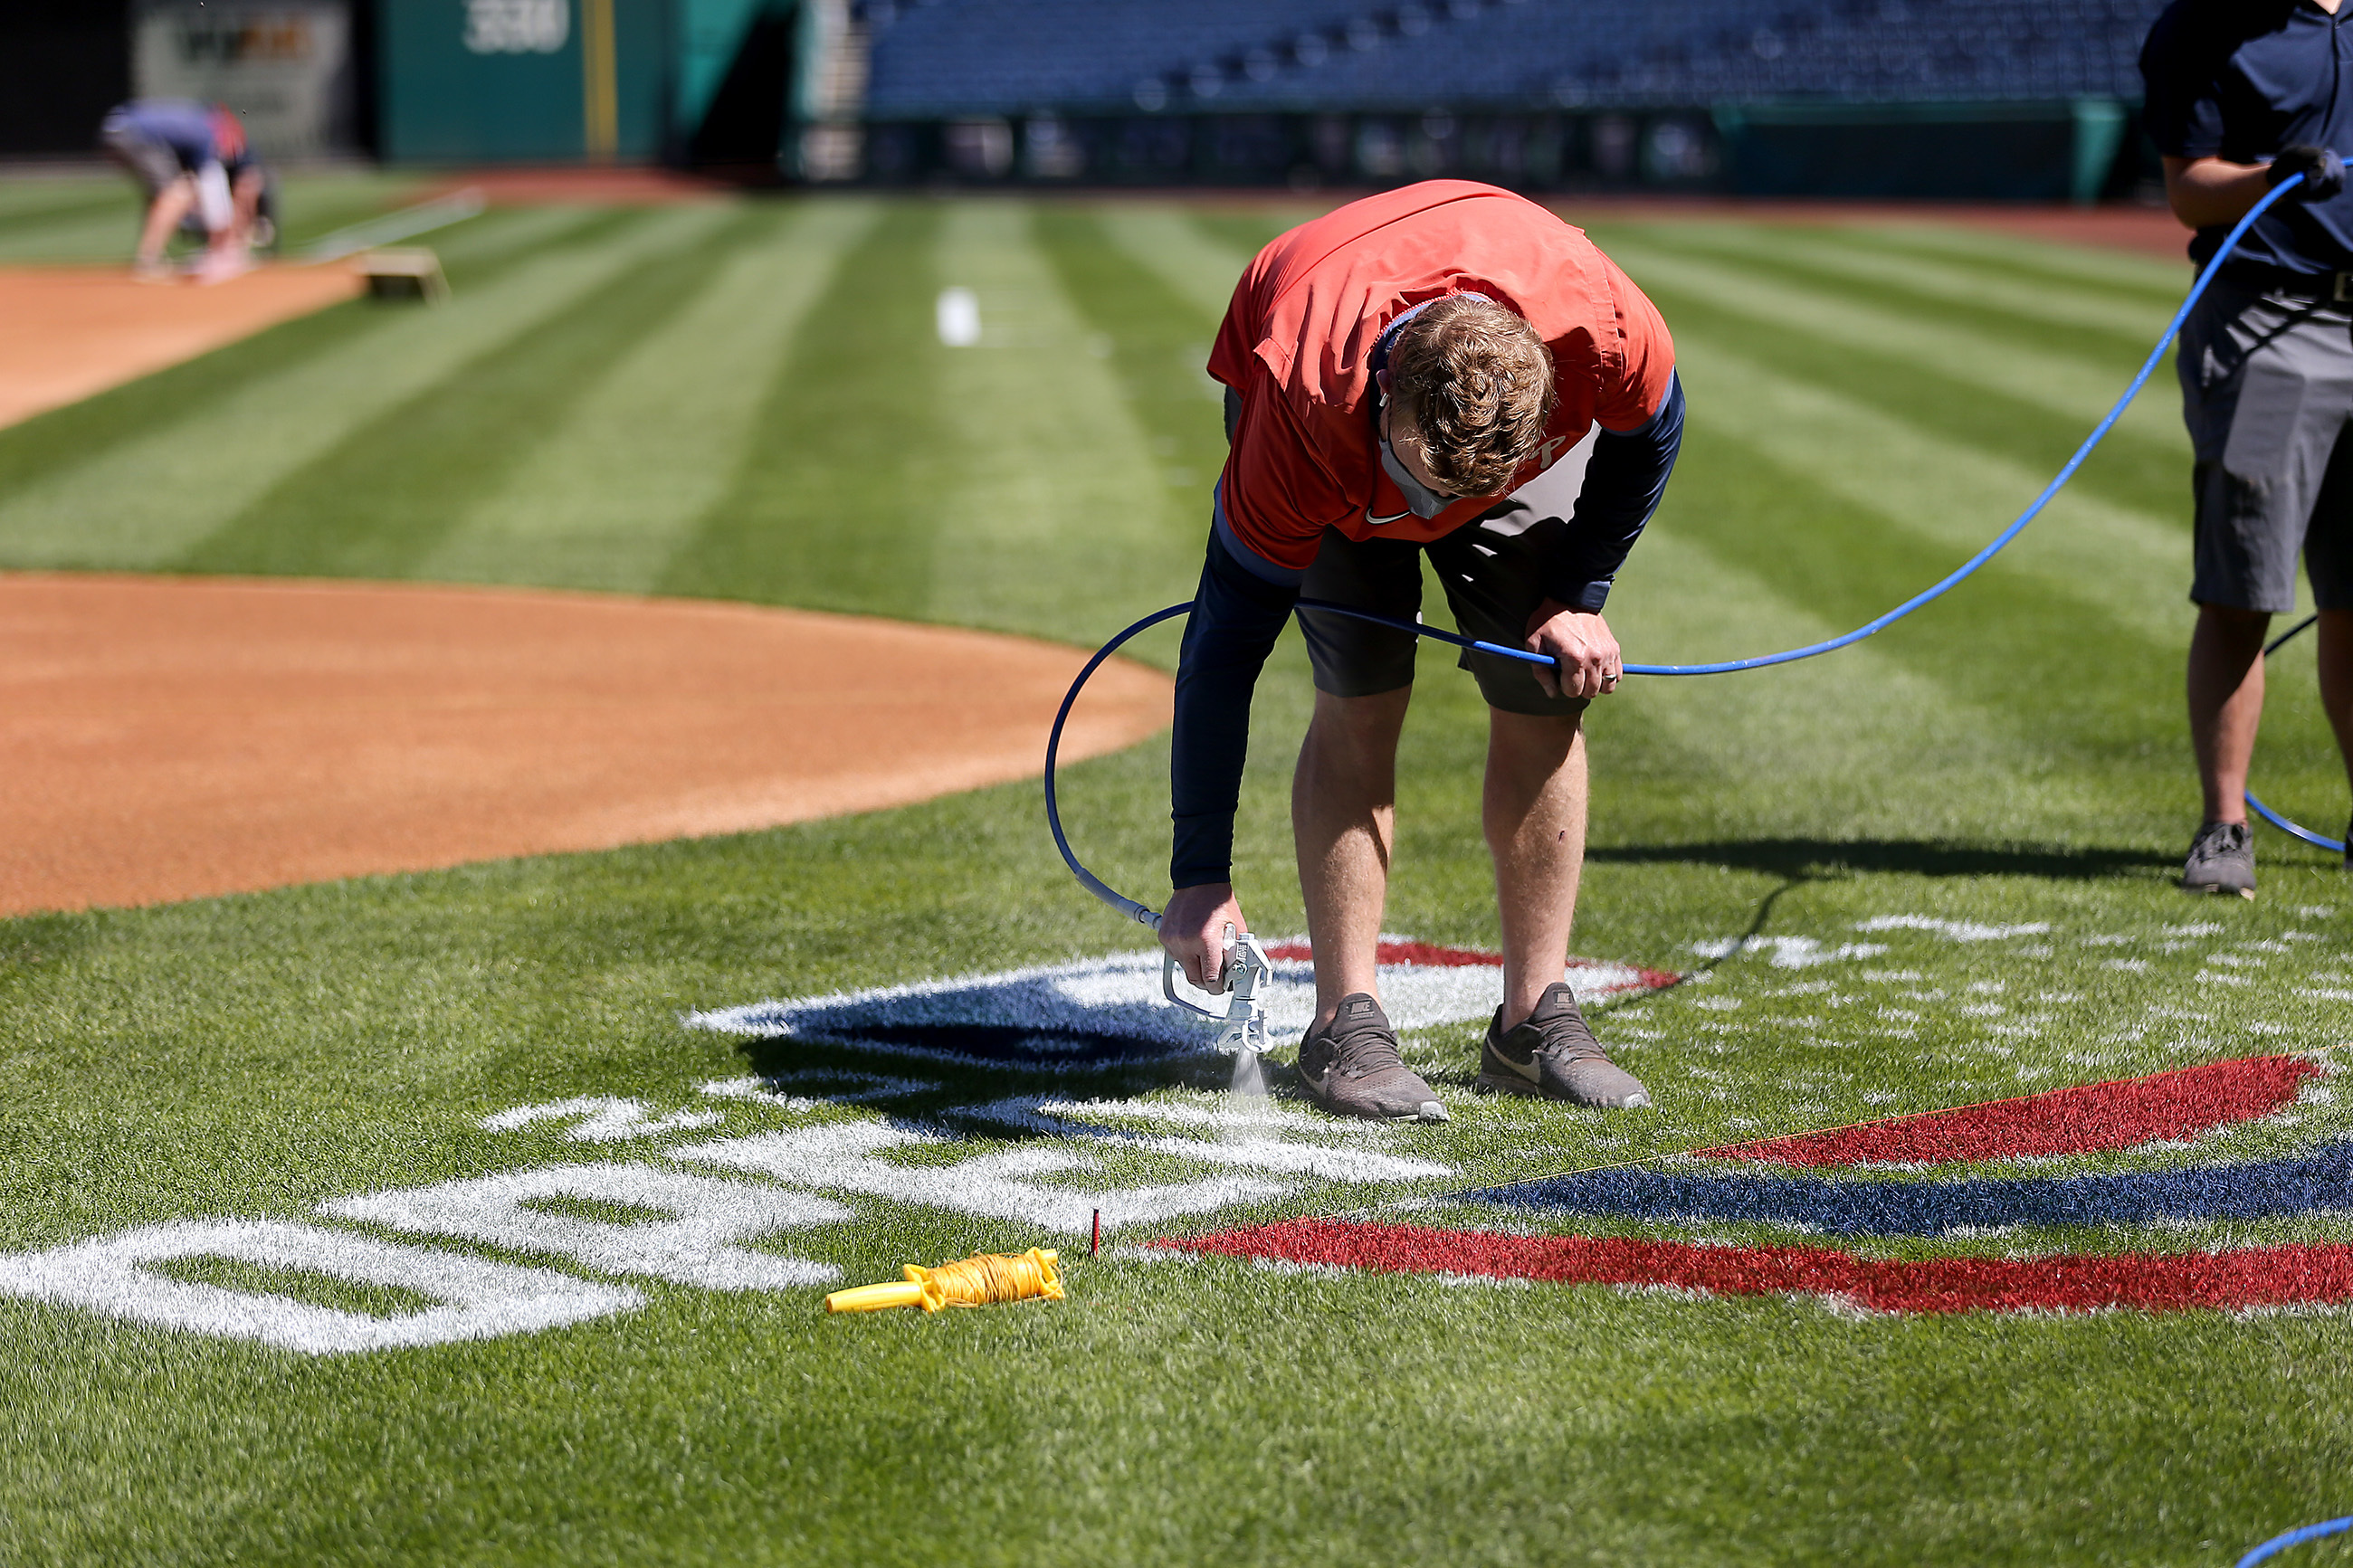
1235	617
1625	479
1243	601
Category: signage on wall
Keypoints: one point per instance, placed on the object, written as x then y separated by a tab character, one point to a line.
285	68
517	27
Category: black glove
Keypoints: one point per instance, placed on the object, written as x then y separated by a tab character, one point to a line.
2323	171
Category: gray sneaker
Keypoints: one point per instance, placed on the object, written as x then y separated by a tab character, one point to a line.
1554	1054
2221	860
1350	1067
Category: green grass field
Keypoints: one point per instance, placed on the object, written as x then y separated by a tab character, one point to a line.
748	401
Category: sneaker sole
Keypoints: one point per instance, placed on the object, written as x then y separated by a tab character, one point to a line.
1488	1083
1429	1111
1510	1083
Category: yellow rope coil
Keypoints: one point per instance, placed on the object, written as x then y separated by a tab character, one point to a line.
983	1280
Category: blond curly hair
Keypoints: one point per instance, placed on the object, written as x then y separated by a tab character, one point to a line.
1475	381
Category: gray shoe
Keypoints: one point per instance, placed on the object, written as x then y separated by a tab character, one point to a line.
2221	860
1350	1067
1554	1054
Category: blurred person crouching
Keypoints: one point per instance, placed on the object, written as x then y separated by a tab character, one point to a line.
197	169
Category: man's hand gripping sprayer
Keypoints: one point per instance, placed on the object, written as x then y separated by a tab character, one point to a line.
1243	980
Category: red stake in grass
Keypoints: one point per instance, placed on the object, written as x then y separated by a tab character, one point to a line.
1095	1245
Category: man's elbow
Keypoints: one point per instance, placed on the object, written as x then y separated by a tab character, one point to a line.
2182	193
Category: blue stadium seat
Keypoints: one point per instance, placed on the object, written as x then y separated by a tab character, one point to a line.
944	58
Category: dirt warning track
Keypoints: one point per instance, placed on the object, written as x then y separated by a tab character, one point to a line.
174	739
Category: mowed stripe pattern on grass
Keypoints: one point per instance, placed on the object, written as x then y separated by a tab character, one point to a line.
750	401
1851	829
744	400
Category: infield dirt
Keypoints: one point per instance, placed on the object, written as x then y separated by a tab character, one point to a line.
176	738
70	332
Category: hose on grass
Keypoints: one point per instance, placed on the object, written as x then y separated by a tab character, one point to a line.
2265	811
2279	1544
1141	913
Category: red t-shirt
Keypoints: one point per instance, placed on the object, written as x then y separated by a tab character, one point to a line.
1298	339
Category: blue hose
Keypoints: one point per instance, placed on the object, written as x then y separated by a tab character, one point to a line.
1133	911
2265	811
2279	1544
1969	568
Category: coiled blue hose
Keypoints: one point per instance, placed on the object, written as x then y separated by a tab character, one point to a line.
1136	912
2279	1544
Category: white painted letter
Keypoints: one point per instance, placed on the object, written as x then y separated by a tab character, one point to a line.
486	1300
696	1247
842	1156
602	1119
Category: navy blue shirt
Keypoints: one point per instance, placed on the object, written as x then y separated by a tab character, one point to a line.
2240	79
181	124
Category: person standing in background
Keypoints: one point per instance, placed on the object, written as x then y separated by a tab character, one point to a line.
2241	95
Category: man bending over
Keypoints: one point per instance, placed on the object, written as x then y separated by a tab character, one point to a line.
192	160
1395	371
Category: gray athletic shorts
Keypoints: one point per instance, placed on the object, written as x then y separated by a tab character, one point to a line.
153	163
2267	392
1492	572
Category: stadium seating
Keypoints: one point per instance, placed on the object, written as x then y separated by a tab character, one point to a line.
936	58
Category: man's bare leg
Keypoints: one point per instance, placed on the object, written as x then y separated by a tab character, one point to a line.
2336	631
1534	808
2226	702
1343	819
172	204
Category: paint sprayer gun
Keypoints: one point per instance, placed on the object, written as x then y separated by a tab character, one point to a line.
1243	983
1248	970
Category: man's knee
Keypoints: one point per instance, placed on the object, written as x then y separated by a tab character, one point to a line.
1558	728
1362	718
2234	624
1540	744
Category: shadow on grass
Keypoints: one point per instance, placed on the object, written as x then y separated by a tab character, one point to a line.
939	1096
1801	859
31	944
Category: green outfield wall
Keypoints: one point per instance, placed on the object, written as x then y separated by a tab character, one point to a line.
547	80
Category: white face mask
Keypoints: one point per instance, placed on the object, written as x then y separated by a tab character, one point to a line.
1419	499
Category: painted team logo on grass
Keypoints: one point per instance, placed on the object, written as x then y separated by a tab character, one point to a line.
1105	1011
723	1192
2249	1279
2160	1110
2167	1106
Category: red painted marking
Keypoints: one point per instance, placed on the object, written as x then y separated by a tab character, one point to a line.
2179	1104
2145	1281
1423	953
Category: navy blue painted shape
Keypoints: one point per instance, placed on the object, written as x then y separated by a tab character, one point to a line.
2307	1184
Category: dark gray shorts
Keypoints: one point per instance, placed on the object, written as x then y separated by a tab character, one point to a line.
153	163
1492	570
2267	392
